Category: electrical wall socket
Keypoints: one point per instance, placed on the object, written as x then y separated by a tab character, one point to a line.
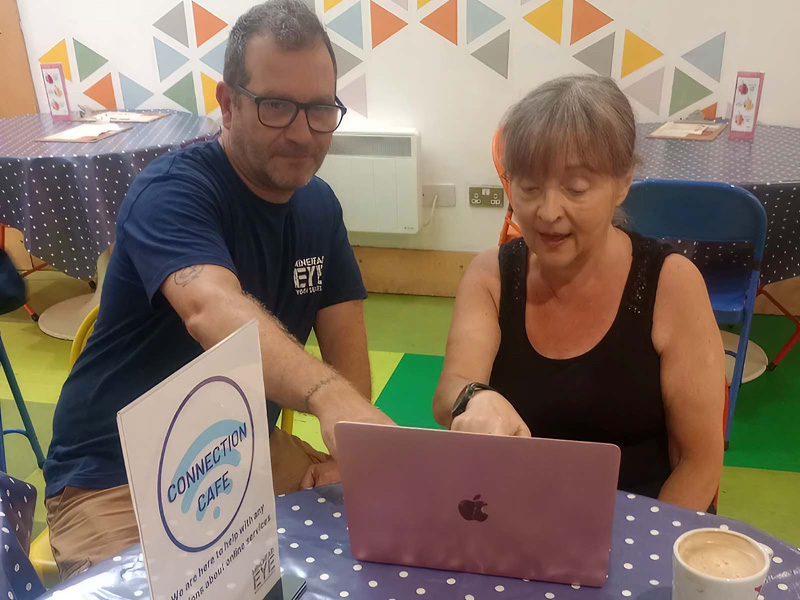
487	195
445	191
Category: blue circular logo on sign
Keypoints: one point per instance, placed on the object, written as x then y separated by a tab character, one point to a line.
206	463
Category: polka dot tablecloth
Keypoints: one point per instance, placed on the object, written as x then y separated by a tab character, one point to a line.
768	166
18	580
314	545
65	196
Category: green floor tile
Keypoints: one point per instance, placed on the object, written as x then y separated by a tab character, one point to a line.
768	500
408	396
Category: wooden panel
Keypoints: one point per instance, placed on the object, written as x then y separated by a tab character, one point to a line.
15	247
17	96
415	272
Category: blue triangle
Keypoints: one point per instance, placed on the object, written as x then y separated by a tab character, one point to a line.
708	57
480	19
133	94
349	26
168	59
216	58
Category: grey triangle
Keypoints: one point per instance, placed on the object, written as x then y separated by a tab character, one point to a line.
311	4
648	91
599	56
174	25
708	57
495	54
401	3
345	62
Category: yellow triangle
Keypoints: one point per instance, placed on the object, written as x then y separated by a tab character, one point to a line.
209	93
637	53
329	4
421	3
548	18
58	53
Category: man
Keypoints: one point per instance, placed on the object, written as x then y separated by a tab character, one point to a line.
209	238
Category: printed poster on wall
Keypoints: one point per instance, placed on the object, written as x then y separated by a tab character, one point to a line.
196	450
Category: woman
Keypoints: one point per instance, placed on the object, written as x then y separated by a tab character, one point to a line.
582	330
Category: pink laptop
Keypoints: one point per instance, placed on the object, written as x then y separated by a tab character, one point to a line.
516	507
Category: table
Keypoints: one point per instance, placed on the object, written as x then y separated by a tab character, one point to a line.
314	545
65	196
768	166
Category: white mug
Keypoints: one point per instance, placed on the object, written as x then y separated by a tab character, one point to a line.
689	583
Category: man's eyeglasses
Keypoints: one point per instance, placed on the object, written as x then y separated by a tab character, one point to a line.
280	113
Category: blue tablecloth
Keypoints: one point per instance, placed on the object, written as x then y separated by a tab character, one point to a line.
18	580
768	166
314	545
65	196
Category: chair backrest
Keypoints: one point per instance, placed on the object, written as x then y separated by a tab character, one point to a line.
82	336
697	210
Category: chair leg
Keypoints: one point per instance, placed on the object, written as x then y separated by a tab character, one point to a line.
792	341
30	432
738	371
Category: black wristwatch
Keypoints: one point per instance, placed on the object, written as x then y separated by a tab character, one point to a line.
466	395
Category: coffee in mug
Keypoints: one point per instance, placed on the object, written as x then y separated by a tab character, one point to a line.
711	564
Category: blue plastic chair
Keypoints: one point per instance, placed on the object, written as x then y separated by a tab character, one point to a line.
12	296
709	212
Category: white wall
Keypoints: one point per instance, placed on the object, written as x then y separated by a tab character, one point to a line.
418	79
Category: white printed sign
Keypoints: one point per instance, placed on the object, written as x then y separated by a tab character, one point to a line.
196	450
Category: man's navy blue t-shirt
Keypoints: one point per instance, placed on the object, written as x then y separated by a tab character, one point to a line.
190	208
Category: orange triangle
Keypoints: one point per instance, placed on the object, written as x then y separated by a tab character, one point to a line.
384	24
206	25
444	21
58	53
586	19
710	112
102	92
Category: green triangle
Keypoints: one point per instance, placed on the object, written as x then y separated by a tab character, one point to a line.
685	91
88	60
183	93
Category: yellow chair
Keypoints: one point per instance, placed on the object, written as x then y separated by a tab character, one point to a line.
41	553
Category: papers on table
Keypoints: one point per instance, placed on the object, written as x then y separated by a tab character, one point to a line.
88	132
689	131
115	116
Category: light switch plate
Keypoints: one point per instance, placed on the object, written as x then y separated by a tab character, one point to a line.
445	191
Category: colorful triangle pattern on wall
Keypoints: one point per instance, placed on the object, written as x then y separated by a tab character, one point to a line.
637	53
648	91
88	60
685	92
349	25
102	92
401	3
209	86
168	59
384	24
710	112
345	61
548	19
183	93
708	56
216	57
58	54
480	19
206	24
599	56
444	21
495	54
329	4
421	3
586	19
133	94
174	24
354	96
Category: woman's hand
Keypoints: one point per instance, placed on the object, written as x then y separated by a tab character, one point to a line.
489	412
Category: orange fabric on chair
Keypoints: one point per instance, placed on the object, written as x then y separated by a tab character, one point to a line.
510	229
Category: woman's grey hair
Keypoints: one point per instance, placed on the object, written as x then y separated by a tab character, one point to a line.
291	23
581	119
